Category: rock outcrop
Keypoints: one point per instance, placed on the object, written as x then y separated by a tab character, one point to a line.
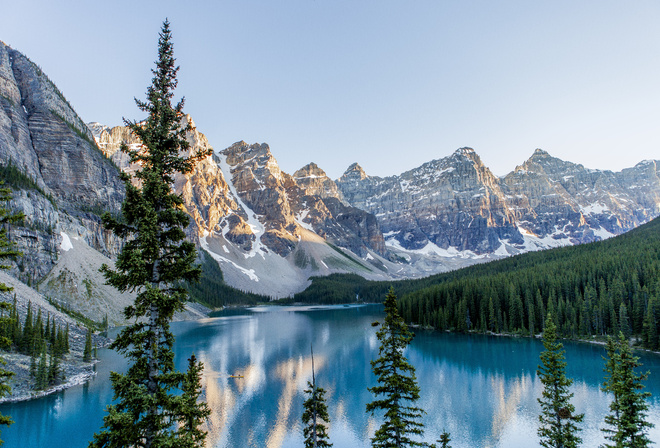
456	206
452	202
551	198
42	137
314	182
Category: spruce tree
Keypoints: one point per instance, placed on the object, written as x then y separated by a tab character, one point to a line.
558	429
6	251
154	261
444	440
55	374
41	380
194	412
315	414
26	341
628	409
397	384
87	352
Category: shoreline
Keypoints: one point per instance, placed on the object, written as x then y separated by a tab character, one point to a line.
596	341
76	372
76	380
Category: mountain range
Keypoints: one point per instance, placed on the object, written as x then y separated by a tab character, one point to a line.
271	231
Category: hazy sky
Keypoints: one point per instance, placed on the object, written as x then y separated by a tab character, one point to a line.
388	84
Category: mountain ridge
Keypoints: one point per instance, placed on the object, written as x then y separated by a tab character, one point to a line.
271	231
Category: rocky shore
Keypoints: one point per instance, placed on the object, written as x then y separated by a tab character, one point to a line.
75	370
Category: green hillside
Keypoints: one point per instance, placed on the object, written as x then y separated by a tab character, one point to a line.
592	290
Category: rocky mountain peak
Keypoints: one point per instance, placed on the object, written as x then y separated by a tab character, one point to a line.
310	170
354	173
97	129
466	150
465	154
256	162
314	181
541	162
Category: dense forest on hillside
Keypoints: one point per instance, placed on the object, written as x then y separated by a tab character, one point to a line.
591	289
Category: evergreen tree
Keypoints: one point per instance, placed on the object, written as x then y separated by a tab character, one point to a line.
54	369
628	409
193	412
6	251
397	383
66	339
315	413
624	321
558	429
444	440
650	329
154	261
33	367
47	330
28	336
87	352
41	380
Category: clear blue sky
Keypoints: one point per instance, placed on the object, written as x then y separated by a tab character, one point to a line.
389	84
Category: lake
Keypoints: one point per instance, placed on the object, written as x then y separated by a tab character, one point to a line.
482	389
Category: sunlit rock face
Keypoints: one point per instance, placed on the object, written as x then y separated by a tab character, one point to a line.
315	182
452	202
457	205
259	191
562	200
42	134
206	195
43	138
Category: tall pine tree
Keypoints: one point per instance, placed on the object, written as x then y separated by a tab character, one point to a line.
315	415
628	409
193	412
6	251
397	384
444	440
87	352
154	261
558	429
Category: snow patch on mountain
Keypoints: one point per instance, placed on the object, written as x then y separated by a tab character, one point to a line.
250	273
66	242
252	220
300	219
534	243
595	208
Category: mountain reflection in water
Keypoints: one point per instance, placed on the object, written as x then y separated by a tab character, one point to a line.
481	389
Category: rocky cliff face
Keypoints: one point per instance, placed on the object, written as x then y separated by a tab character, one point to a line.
554	199
452	202
455	205
314	182
42	134
206	194
42	137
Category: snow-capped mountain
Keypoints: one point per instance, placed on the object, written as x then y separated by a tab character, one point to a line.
268	233
455	206
271	231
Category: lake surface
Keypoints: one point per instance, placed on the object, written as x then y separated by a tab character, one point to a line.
481	389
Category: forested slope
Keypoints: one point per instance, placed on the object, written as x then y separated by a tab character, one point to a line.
591	289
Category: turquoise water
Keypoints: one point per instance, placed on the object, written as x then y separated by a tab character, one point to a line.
482	389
